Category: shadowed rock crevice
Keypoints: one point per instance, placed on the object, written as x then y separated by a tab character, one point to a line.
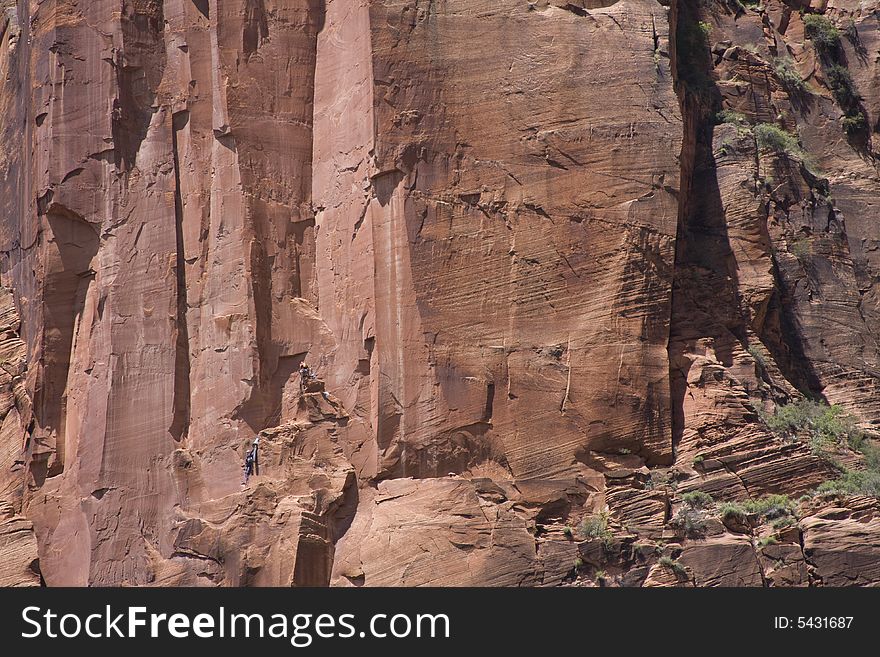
139	67
68	255
182	370
203	6
704	281
256	26
784	339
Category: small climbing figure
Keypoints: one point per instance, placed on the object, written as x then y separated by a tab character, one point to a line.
250	461
305	375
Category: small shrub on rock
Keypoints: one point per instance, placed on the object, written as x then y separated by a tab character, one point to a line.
788	75
690	521
853	482
673	565
697	499
770	506
854	124
772	137
822	32
596	527
842	85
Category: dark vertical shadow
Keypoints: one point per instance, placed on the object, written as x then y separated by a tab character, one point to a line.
139	68
68	276
706	301
203	7
256	26
784	340
702	250
180	422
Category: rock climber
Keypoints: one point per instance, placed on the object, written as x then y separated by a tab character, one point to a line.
250	461
305	375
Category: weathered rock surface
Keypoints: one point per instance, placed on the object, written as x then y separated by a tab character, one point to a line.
281	529
842	543
19	565
723	561
538	283
435	531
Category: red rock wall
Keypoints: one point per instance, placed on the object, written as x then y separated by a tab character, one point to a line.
502	235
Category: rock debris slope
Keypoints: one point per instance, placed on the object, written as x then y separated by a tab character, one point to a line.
578	281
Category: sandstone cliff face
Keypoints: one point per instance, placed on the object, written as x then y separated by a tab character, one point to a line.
539	282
